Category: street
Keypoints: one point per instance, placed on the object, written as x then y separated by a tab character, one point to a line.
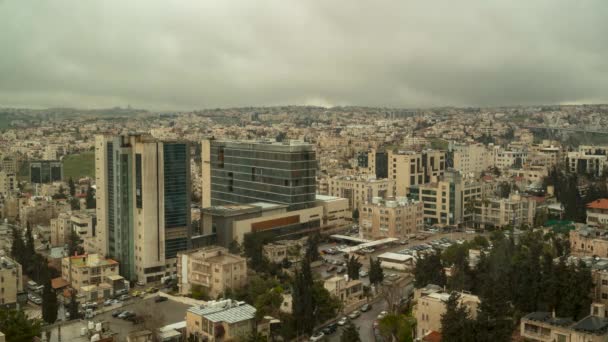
364	323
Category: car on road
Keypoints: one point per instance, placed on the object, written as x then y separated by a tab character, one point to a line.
318	336
363	274
382	314
354	315
342	321
124	298
121	292
108	302
365	307
116	313
135	319
152	290
330	329
159	299
126	314
331	268
34	299
340	270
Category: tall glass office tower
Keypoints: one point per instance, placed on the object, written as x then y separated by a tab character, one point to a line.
143	203
247	172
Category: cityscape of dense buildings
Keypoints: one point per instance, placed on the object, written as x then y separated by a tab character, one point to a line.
215	216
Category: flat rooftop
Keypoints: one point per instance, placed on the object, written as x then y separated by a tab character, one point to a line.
326	198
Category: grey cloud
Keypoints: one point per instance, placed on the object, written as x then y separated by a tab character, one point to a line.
201	53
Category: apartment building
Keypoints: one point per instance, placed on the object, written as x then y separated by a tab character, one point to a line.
373	163
450	200
90	274
500	212
212	268
409	168
8	183
597	213
46	171
588	241
591	160
505	159
348	291
143	203
471	159
546	327
431	305
360	190
11	282
240	172
221	320
9	164
397	218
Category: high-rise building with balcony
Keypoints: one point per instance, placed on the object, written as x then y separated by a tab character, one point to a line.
143	203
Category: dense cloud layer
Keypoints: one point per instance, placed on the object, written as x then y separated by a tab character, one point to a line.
202	53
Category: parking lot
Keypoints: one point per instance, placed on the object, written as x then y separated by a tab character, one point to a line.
167	312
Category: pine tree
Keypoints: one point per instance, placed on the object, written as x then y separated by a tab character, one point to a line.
376	274
74	247
303	301
73	306
72	187
353	266
90	199
49	302
456	324
312	248
350	333
18	246
429	270
30	249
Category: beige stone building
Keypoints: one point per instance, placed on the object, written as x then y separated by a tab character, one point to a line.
83	222
336	212
279	250
347	290
588	159
500	212
588	241
471	159
408	168
448	201
90	272
431	305
222	320
360	190
8	183
597	213
11	282
398	218
545	327
212	268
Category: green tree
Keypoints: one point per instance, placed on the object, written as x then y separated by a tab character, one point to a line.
18	246
396	328
303	306
235	247
350	333
326	306
456	324
199	292
73	306
376	273
253	246
49	303
17	327
90	198
74	247
312	247
353	266
72	187
429	270
356	215
30	247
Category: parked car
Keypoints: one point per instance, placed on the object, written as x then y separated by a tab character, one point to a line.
354	315
159	299
362	274
120	292
365	307
340	270
331	268
124	297
126	314
318	336
108	302
152	290
116	313
382	314
330	329
135	319
343	321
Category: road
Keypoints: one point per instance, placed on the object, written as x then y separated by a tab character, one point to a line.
364	323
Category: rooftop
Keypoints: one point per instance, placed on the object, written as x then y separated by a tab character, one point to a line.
229	311
599	204
326	198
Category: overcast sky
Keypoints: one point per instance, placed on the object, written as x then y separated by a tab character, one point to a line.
186	54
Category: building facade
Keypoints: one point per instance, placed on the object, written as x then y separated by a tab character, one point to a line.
213	269
359	190
8	183
46	171
597	213
397	218
546	327
471	159
237	172
90	273
408	168
500	212
222	320
143	203
12	282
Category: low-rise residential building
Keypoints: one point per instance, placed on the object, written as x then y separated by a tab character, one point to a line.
471	159
396	218
8	183
91	275
222	320
431	305
588	241
284	249
83	222
597	212
213	269
60	229
546	327
500	212
347	290
12	282
592	160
